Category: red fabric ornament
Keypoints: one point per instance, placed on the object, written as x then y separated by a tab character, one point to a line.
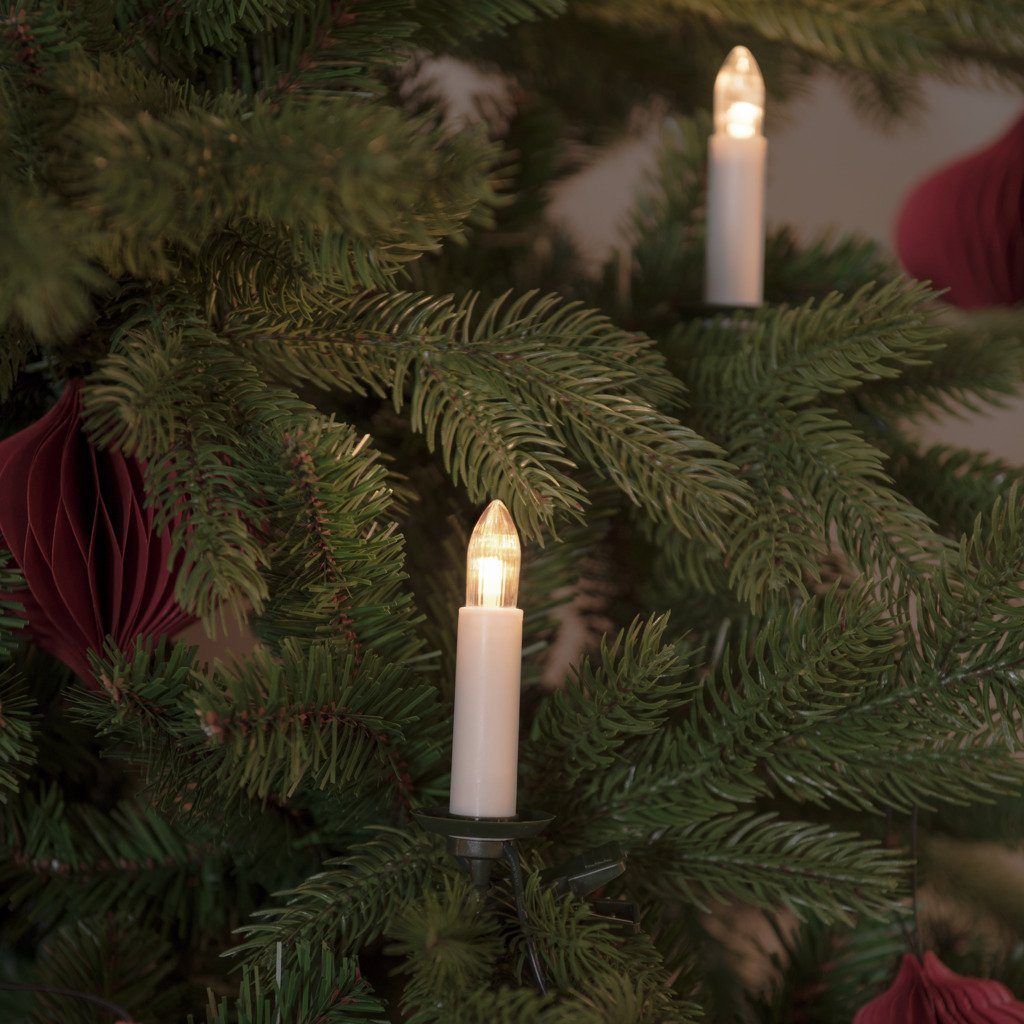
75	521
928	992
963	228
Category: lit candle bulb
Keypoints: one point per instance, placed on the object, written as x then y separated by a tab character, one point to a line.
737	157
485	742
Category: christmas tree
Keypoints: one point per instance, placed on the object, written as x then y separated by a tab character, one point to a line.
275	329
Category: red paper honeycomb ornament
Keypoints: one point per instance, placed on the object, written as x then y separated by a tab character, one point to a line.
963	227
926	991
76	523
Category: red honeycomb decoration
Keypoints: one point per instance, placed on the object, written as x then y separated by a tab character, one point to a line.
963	228
926	991
76	523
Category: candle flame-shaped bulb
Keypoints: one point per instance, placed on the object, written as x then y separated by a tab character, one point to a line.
739	96
492	569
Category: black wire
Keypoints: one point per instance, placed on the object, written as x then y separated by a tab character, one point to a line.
509	850
119	1012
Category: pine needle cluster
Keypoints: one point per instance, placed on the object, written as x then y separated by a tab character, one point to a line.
330	323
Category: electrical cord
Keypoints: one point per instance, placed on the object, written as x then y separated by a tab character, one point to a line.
121	1015
518	890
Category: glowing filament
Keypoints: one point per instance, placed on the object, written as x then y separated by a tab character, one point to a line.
739	96
492	569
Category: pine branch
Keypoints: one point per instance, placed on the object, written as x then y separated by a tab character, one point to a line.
347	48
347	36
161	183
336	557
782	543
951	485
791	357
17	728
863	34
808	705
813	474
307	716
667	223
976	367
796	272
446	946
188	27
886	536
47	275
765	861
250	262
202	497
316	986
502	1005
582	728
454	956
660	783
795	665
583	956
69	861
816	482
973	625
339	46
496	379
294	525
352	902
907	743
312	717
12	616
167	394
487	442
35	39
143	698
920	770
446	21
107	957
805	705
616	993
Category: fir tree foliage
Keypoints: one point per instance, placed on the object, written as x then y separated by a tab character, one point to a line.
508	413
630	692
320	988
17	749
330	323
112	959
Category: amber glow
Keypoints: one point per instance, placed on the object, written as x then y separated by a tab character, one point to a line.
739	96
492	564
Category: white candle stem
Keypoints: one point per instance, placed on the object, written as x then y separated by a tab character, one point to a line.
734	274
485	742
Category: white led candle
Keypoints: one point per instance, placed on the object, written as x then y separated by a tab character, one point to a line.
737	157
485	742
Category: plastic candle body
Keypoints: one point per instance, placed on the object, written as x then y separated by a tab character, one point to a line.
485	742
737	159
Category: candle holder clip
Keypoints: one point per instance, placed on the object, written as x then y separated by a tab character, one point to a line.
478	842
585	874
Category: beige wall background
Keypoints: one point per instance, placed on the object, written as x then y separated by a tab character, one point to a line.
831	169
